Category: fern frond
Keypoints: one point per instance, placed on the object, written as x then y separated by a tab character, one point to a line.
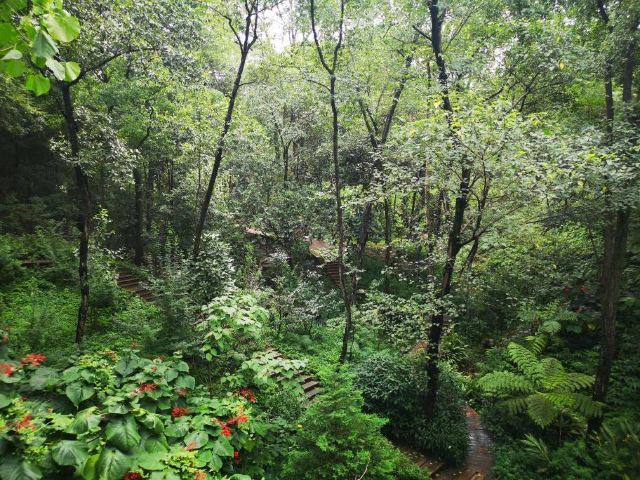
515	405
550	327
541	410
537	447
505	382
538	343
571	382
586	406
525	360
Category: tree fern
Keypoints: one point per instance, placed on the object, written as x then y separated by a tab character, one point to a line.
542	387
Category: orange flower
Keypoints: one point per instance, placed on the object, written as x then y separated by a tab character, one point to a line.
33	359
24	423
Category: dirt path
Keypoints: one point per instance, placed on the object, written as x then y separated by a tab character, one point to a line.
477	464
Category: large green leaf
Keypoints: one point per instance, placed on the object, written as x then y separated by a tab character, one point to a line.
123	433
62	26
38	84
127	365
222	447
8	34
79	392
56	67
13	68
151	461
43	378
70	452
14	469
196	439
43	45
12	54
71	71
112	465
85	421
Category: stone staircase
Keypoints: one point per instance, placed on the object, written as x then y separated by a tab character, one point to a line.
133	284
310	385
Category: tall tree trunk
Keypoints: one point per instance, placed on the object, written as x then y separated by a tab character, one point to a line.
387	244
454	240
285	161
138	258
245	44
331	70
84	210
615	234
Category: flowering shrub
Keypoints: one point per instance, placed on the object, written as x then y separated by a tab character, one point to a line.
114	417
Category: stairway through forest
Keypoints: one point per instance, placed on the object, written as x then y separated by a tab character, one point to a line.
130	282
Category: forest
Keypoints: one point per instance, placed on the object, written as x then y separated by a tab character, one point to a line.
319	239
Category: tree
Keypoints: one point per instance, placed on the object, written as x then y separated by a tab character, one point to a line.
330	67
245	37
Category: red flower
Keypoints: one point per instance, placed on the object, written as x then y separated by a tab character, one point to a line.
248	394
145	387
236	454
132	476
237	420
24	423
33	359
226	431
7	368
179	412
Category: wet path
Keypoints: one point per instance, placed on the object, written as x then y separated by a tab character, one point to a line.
478	462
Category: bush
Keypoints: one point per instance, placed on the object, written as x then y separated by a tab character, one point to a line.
393	387
109	417
337	441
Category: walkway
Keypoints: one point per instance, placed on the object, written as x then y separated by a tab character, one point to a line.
477	464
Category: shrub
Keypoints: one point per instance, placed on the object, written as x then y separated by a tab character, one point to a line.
212	273
109	416
336	440
393	387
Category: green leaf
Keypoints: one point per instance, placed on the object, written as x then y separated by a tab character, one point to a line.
38	84
43	45
62	26
13	68
13	55
123	433
186	381
153	422
151	461
112	465
222	447
43	378
78	392
85	421
56	67
127	365
71	71
70	452
14	469
8	34
239	476
5	400
196	439
177	429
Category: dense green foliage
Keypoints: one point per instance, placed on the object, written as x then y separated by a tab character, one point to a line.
278	239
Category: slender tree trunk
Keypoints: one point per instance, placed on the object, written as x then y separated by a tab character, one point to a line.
285	161
340	224
139	209
219	153
84	210
387	243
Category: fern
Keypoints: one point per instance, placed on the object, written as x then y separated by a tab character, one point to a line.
542	388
